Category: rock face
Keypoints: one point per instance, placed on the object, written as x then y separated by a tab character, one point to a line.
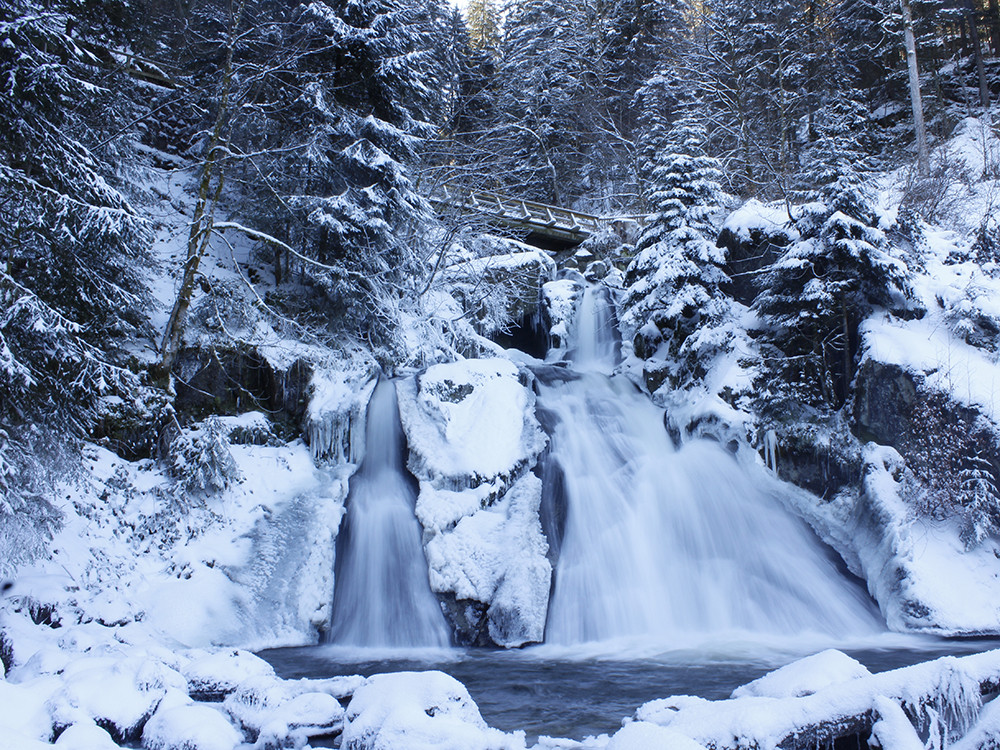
510	314
473	441
233	380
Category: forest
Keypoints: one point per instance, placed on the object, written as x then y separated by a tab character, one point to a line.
663	322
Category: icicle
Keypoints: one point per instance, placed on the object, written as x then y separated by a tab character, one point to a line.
771	450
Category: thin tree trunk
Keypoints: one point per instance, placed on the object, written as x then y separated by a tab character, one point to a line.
977	52
923	158
995	26
201	224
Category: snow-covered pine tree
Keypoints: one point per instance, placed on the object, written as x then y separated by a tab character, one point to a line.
72	243
674	284
537	141
483	21
814	297
72	248
369	84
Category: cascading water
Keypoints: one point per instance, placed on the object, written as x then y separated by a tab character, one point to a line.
595	343
382	597
674	544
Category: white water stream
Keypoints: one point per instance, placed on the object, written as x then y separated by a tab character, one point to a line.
674	545
382	597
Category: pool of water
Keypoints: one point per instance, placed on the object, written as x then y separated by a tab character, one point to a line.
586	691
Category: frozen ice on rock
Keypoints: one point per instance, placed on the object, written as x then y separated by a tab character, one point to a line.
420	711
190	727
805	676
893	730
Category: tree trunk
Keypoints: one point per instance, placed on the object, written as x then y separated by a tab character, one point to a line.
201	224
995	26
977	52
923	159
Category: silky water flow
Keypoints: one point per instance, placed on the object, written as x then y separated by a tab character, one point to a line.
382	597
672	544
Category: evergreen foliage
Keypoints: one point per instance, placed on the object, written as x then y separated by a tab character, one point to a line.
815	295
73	244
675	296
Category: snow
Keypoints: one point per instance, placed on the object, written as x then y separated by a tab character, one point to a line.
805	676
944	363
560	298
917	568
85	736
493	553
642	735
754	216
190	727
947	688
419	711
473	438
469	420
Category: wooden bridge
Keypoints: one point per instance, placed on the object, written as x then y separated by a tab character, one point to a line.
562	225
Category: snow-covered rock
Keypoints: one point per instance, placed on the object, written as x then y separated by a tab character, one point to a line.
281	713
805	676
918	569
214	675
85	736
643	735
335	419
114	692
473	440
419	711
469	422
560	299
190	727
493	554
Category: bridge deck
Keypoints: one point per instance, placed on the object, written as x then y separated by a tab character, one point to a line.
559	223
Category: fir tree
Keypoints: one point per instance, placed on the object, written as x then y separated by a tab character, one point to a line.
675	280
814	297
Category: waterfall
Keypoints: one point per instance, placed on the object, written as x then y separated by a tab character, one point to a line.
382	597
668	543
594	344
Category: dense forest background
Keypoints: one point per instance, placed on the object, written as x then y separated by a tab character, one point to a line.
322	133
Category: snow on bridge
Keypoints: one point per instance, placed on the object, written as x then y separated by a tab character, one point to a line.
564	225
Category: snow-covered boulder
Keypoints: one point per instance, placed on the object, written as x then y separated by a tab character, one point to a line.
493	554
117	693
805	676
86	736
419	711
918	568
560	299
284	713
212	676
190	727
473	440
469	422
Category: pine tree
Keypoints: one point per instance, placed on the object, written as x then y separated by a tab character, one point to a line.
73	245
814	297
483	21
675	281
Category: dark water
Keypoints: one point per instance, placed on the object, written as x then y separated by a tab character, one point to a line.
566	695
